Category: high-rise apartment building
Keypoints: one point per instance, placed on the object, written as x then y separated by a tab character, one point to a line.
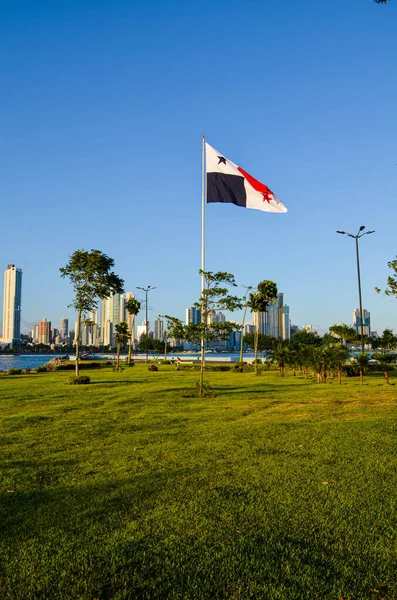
64	328
366	321
276	321
112	310
12	305
158	329
193	315
44	332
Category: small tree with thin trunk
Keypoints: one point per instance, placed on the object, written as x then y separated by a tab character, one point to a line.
92	279
281	355
361	361
258	303
340	355
215	296
133	307
122	336
386	362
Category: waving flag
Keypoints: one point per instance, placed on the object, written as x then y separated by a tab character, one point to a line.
226	182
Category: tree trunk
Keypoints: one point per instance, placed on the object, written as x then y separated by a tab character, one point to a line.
242	335
118	345
386	373
305	372
361	377
131	340
77	340
165	350
339	374
256	343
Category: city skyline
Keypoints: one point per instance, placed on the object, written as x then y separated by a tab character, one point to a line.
111	310
98	133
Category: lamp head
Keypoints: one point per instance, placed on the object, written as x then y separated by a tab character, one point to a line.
343	232
362	227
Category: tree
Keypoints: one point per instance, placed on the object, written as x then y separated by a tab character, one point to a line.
175	329
340	355
266	342
391	289
381	1
133	307
387	341
258	303
281	355
345	333
306	338
92	279
245	304
214	296
361	361
386	362
122	336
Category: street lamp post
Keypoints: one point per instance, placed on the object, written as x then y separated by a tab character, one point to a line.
359	234
149	287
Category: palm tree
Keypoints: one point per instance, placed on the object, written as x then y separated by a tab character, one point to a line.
361	361
340	354
281	355
258	303
320	361
387	341
386	362
133	307
122	335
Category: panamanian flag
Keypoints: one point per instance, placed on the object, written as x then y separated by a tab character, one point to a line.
226	182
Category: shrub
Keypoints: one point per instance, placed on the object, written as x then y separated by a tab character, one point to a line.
82	365
80	380
153	368
41	369
14	371
65	367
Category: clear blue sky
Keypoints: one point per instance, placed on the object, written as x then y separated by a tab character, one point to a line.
102	107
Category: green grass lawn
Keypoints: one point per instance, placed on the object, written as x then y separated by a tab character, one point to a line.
131	488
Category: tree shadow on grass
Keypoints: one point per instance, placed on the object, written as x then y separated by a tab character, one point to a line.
99	539
115	383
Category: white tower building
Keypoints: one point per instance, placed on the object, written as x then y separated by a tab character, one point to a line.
12	305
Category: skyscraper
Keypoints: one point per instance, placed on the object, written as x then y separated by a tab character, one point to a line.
158	329
64	328
12	305
112	310
276	321
366	323
193	315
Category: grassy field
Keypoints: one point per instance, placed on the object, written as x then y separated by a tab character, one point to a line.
131	488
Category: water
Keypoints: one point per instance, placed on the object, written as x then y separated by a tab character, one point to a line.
188	357
31	361
23	361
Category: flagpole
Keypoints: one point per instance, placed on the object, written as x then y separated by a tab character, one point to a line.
202	211
202	239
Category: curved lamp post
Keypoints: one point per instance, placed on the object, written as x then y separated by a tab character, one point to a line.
359	235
